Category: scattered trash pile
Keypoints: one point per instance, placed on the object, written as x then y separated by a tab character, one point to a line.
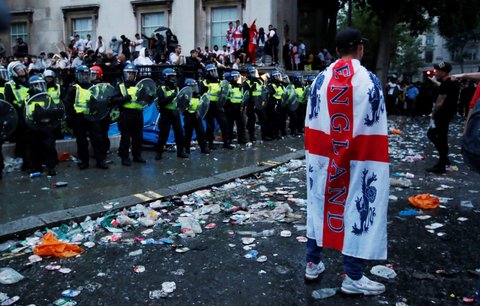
164	222
411	186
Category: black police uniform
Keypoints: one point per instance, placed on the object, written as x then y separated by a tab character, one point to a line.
211	86
16	93
130	122
253	86
75	106
191	121
42	145
234	111
169	117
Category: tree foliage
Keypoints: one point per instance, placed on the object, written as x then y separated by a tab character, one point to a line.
416	15
460	25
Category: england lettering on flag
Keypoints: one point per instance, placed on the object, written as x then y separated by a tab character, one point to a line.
346	147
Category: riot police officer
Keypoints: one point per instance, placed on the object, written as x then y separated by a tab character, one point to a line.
192	121
41	142
234	108
130	122
169	115
77	101
302	95
16	93
211	86
3	81
273	109
254	86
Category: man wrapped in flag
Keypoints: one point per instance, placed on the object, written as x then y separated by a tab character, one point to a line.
346	147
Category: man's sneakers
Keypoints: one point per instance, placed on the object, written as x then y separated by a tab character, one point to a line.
313	271
363	286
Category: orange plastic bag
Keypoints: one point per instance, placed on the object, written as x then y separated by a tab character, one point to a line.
396	132
424	201
51	246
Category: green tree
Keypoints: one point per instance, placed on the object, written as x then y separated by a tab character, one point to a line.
407	58
415	14
459	24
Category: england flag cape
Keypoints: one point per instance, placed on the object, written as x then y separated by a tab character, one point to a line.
346	147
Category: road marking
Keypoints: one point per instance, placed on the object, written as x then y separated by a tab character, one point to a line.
154	194
142	197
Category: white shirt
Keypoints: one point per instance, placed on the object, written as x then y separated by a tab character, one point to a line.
79	45
174	57
138	43
88	44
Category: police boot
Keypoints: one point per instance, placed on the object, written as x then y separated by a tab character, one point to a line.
204	149
82	165
211	146
182	154
102	165
126	162
228	145
139	160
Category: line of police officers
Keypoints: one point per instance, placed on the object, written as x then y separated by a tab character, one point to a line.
262	101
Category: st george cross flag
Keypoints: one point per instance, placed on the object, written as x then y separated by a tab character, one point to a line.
346	147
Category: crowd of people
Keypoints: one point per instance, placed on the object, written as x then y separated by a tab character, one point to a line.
237	103
243	45
417	98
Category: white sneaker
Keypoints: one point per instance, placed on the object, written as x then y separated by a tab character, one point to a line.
312	271
363	286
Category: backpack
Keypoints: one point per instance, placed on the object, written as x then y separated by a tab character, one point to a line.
471	140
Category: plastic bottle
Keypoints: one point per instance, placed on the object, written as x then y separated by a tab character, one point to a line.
59	184
35	174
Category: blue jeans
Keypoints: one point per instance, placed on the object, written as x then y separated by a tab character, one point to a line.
353	266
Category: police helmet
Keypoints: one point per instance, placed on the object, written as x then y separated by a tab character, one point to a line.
3	74
234	76
130	72
252	72
211	71
285	78
297	78
48	74
17	70
227	76
192	84
37	84
170	76
82	74
96	72
276	75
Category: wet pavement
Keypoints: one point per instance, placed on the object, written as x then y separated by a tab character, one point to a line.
219	266
22	196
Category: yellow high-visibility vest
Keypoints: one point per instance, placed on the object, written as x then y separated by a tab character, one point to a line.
82	98
21	94
54	93
168	92
213	91
132	92
236	95
278	91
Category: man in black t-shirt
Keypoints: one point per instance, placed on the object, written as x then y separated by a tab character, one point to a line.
442	114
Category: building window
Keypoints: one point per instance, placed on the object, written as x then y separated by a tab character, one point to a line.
428	56
471	54
221	16
19	30
82	27
151	22
429	41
